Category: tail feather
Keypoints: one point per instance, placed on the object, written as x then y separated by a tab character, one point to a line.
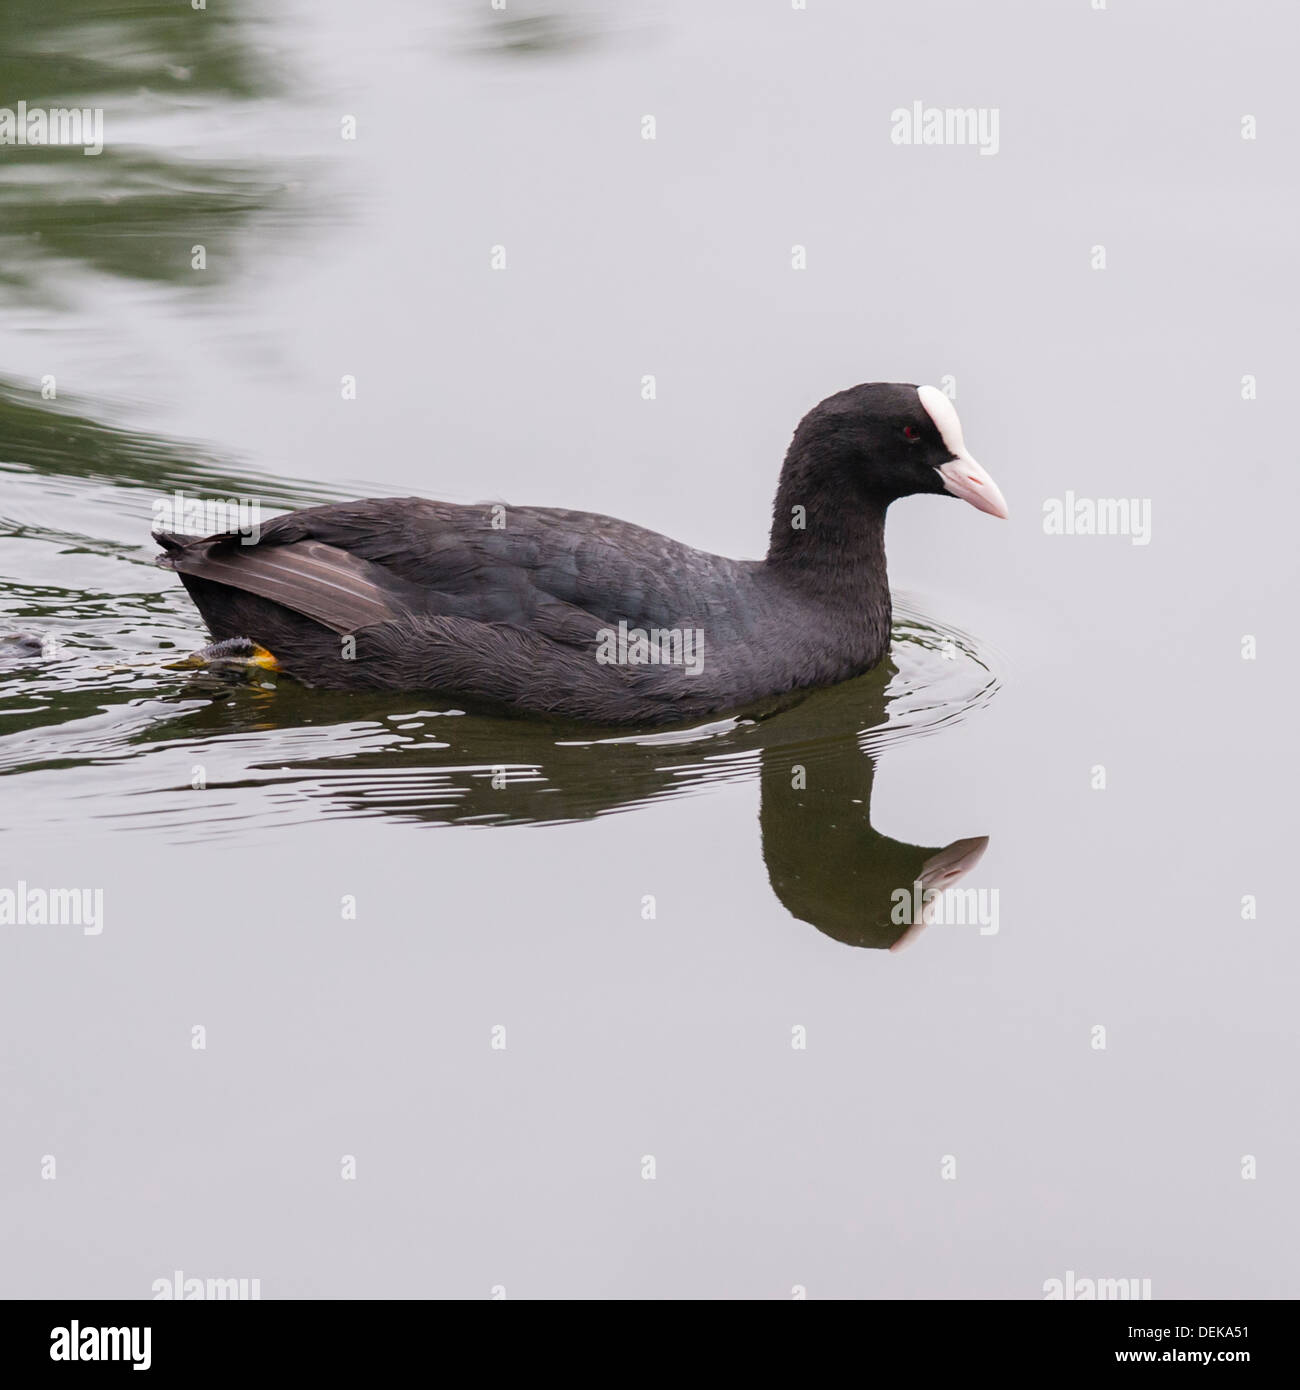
322	582
172	544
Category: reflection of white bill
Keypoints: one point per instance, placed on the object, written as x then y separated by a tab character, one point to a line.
938	873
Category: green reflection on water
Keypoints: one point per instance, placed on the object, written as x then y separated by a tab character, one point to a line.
134	209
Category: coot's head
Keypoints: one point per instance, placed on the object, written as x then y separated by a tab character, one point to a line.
887	440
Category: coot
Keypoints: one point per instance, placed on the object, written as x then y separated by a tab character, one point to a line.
542	611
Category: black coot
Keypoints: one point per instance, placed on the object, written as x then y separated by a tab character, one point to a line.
542	611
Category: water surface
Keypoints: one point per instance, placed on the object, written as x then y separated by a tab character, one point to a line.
349	895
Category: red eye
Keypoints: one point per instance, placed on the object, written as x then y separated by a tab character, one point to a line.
911	434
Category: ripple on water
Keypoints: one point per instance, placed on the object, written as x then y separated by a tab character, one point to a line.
129	738
92	708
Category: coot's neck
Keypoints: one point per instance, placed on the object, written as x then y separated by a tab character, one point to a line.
826	536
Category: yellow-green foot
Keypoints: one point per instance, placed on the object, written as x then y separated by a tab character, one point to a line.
232	654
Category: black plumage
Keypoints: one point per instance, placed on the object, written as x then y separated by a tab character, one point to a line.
516	607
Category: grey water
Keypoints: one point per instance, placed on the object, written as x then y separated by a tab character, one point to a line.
392	999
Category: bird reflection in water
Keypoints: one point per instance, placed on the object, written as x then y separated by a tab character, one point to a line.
814	760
